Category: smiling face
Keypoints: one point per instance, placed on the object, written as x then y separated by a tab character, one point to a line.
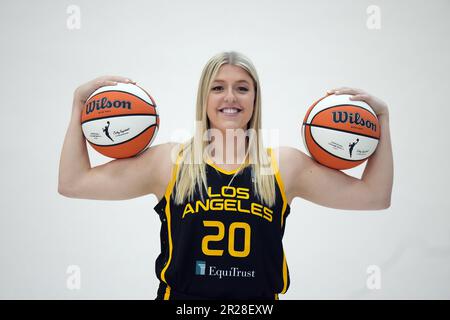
231	99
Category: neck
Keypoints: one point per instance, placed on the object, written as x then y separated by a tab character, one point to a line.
228	151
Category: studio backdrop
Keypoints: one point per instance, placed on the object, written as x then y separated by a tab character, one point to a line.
54	247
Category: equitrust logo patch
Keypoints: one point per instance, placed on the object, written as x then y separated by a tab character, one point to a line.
200	267
214	271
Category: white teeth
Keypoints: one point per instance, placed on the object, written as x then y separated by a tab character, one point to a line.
229	110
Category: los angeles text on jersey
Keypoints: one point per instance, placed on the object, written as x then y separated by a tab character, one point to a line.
229	198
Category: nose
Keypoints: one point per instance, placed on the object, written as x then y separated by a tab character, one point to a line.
230	97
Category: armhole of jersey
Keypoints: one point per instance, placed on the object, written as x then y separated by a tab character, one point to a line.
277	174
167	195
171	184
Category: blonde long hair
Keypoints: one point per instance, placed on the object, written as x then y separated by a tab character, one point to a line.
192	165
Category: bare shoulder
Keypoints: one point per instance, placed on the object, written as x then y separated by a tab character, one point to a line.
291	162
162	166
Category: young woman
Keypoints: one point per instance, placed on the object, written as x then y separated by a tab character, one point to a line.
222	197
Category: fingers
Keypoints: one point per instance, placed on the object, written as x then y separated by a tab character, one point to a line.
355	94
117	79
109	83
360	97
345	90
104	82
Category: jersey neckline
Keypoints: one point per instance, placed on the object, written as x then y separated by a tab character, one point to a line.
228	172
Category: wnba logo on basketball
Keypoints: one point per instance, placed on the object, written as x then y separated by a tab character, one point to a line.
104	103
342	116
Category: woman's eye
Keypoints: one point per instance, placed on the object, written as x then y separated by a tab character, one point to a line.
220	88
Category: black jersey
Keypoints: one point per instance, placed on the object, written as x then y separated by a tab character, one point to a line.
228	246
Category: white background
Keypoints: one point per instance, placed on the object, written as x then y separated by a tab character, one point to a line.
300	50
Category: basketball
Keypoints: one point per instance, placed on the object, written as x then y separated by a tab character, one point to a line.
340	133
120	121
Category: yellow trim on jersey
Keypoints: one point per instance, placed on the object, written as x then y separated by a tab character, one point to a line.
283	195
280	183
284	274
212	164
168	216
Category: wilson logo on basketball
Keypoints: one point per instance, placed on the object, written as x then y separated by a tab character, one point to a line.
344	117
104	103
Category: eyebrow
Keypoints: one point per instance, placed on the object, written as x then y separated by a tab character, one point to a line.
220	80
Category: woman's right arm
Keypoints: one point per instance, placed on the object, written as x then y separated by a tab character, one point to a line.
118	179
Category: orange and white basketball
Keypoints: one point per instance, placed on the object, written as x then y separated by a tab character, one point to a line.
340	133
120	121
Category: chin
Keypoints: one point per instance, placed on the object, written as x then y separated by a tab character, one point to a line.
230	125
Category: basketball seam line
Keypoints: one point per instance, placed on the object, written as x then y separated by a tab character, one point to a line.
346	105
308	112
340	130
113	145
121	115
145	147
342	105
326	151
153	105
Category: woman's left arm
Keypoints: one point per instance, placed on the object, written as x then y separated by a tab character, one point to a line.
379	171
332	188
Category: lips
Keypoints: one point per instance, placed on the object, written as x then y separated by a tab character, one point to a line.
230	110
